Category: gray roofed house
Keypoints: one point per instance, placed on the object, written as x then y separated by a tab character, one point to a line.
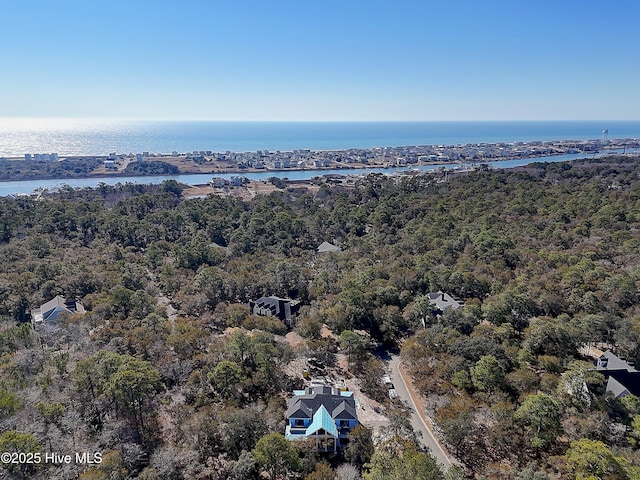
440	301
622	378
615	388
326	247
48	312
324	413
608	361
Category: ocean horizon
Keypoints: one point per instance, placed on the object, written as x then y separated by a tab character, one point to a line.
72	137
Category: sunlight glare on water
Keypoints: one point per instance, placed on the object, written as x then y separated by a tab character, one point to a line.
66	136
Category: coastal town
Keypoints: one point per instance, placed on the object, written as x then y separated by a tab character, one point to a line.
208	161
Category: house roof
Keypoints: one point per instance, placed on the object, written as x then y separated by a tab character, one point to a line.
338	403
300	410
608	361
616	388
344	411
627	380
622	378
442	300
322	420
283	308
328	247
54	307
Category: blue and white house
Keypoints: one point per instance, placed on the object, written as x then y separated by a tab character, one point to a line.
323	413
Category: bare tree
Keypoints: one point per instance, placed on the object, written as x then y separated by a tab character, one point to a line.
347	471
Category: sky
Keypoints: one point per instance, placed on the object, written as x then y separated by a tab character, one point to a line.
321	60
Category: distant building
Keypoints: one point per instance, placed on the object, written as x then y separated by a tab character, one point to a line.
50	311
218	182
283	308
27	157
439	301
322	413
326	247
110	164
236	180
622	378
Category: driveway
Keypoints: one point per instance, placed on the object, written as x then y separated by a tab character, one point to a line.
419	419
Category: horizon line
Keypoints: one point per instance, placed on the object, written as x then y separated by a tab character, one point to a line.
133	119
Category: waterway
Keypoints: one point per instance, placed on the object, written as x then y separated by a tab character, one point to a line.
32	186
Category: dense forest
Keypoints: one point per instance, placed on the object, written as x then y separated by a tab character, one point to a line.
546	258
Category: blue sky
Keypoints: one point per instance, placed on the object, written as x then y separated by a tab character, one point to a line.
321	60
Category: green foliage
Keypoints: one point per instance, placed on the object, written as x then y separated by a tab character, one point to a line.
545	258
323	471
13	441
310	328
109	380
354	346
540	415
487	375
631	403
245	468
153	167
51	412
244	427
280	183
172	186
34	169
360	446
226	377
110	468
402	462
591	459
462	380
546	336
9	403
276	456
16	337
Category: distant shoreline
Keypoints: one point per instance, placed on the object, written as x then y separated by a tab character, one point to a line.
114	166
86	137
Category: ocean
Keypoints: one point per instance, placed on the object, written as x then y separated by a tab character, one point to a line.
101	137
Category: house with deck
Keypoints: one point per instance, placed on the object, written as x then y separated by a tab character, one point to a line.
325	414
